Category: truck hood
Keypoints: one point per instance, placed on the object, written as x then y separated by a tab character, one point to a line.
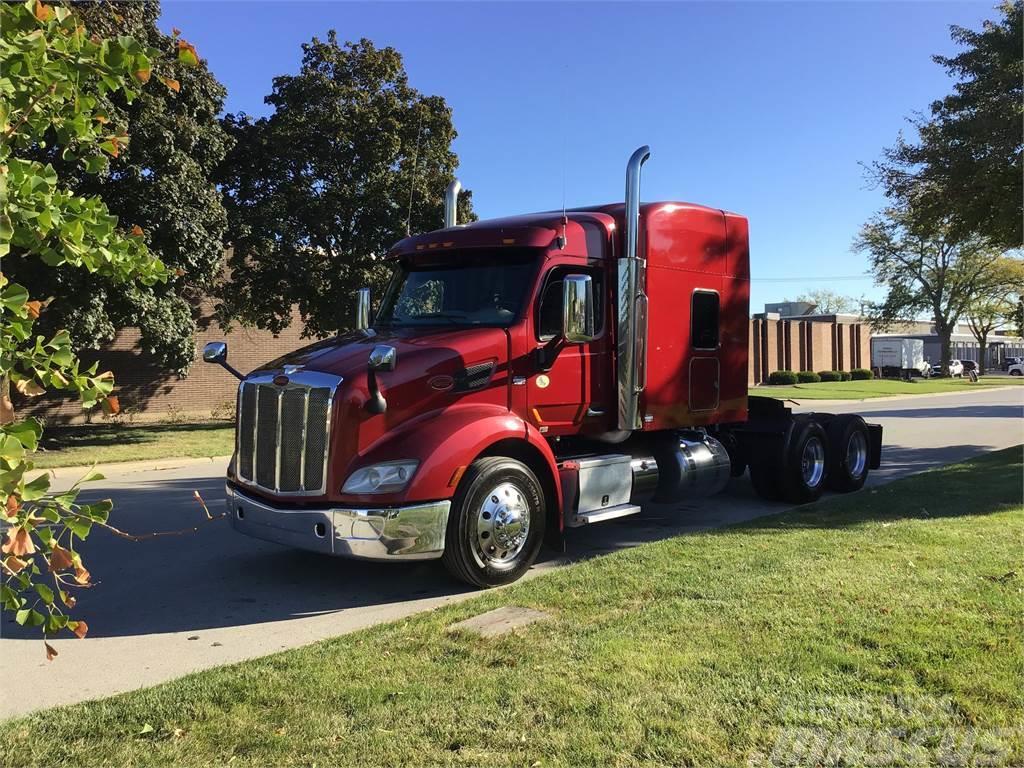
421	352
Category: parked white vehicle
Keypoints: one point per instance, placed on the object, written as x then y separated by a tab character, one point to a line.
1016	370
956	368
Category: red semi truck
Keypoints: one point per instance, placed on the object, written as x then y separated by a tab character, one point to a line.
524	376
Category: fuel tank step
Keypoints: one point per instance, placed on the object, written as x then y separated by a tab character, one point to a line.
601	515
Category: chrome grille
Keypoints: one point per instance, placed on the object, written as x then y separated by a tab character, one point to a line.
283	432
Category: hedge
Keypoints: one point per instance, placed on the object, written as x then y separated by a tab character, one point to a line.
782	377
845	376
861	374
830	375
808	377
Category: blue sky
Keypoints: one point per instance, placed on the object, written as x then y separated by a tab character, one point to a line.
762	108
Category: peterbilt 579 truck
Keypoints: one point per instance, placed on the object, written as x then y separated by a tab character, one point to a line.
521	377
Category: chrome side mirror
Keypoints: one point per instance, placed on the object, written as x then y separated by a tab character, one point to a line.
362	309
577	308
383	358
217	352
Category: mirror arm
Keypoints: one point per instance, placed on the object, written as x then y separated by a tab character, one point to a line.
231	369
376	403
548	354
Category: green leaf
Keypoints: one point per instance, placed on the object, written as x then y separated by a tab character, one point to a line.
27	432
45	593
36	488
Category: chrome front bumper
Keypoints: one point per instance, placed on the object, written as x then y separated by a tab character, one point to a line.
407	533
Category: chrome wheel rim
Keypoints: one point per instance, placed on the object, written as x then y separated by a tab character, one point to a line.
812	462
856	454
502	527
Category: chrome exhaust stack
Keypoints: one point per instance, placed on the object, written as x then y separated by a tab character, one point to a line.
632	303
451	204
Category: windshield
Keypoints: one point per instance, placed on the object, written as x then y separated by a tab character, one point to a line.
486	289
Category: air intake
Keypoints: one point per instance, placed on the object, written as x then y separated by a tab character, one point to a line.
451	204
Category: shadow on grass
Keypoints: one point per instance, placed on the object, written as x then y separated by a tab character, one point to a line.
104	435
982	486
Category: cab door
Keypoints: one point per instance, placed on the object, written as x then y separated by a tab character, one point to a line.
567	387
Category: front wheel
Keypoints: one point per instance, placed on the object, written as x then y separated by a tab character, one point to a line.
1017	373
496	525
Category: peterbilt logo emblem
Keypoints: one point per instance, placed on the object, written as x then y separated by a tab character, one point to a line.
280	379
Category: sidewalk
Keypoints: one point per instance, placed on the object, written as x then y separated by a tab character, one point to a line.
131	467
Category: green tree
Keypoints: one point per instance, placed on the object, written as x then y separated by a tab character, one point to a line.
56	82
828	302
351	159
965	170
994	308
162	182
927	269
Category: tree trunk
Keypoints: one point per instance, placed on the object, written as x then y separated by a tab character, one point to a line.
945	335
982	346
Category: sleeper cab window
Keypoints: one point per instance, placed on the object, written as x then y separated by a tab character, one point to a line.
549	314
704	319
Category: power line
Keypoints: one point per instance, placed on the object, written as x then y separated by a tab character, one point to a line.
808	279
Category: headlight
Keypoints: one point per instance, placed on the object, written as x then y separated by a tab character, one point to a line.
380	478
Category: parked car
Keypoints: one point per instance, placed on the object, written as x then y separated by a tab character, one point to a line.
1017	369
1009	362
956	368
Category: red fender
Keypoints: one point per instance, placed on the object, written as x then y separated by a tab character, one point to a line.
445	442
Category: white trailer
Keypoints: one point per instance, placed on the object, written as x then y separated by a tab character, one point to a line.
895	356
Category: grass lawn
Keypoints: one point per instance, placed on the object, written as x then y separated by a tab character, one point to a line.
102	443
884	625
862	390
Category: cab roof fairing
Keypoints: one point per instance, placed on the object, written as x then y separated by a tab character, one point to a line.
538	230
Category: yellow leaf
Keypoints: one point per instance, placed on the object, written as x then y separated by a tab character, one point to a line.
51	652
14	564
137	231
34	307
43	12
171	83
111	405
142	75
18	543
29	388
80	628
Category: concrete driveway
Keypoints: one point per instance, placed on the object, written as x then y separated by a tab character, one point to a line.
167	607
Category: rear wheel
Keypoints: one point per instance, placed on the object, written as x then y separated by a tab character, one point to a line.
806	466
496	525
849	456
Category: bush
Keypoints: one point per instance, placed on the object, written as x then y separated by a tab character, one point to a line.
845	376
808	377
830	375
861	374
782	377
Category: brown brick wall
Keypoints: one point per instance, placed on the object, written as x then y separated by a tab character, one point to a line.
146	392
805	345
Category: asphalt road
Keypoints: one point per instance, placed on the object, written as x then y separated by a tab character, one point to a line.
166	607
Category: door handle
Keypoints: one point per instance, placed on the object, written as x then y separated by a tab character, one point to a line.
595	411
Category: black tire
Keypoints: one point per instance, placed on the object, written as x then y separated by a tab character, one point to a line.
472	521
849	453
764	476
1016	373
803	483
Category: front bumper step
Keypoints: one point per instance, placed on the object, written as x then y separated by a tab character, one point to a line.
414	532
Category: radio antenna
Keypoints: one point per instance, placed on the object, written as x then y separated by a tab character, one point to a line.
565	219
412	182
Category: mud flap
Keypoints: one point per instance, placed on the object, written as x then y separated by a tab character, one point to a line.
875	445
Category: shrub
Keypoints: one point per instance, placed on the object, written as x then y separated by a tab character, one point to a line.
845	376
861	374
782	377
808	377
830	375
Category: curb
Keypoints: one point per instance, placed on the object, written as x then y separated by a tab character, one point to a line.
130	467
